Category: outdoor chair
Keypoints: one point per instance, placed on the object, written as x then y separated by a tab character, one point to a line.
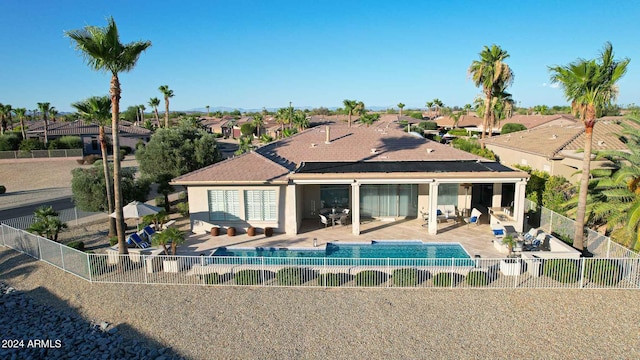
498	231
474	218
135	239
323	220
531	234
344	219
149	231
345	211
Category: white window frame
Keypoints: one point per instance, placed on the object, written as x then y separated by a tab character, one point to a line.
260	205
224	205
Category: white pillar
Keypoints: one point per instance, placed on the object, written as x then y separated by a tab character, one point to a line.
518	204
496	200
355	208
433	208
291	213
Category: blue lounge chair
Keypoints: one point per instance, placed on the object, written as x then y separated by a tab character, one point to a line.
135	239
149	231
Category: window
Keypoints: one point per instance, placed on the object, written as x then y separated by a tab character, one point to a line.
260	205
224	205
448	194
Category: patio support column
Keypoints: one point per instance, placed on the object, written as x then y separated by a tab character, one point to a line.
291	213
496	199
518	204
355	208
433	208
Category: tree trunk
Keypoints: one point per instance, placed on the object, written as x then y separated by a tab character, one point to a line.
166	112
107	181
155	109
46	130
349	118
589	123
117	188
22	129
487	112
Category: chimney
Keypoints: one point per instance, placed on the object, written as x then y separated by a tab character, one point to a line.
328	140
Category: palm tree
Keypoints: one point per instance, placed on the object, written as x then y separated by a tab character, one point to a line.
467	108
258	121
438	104
283	117
97	109
154	102
164	89
401	106
429	104
590	85
103	51
207	110
5	110
44	108
360	108
300	120
21	113
53	112
141	109
170	235
487	73
47	223
349	107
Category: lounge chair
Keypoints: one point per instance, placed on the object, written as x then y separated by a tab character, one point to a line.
323	220
149	231
474	218
531	234
499	232
135	239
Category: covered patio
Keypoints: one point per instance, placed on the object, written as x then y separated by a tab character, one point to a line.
476	239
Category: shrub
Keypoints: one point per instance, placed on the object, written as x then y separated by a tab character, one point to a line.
405	277
290	276
370	278
160	201
182	195
127	149
477	278
214	278
442	279
69	142
3	189
183	208
9	142
416	115
457	132
247	129
78	245
123	154
331	279
252	277
31	144
113	240
428	125
80	161
512	127
561	270
603	272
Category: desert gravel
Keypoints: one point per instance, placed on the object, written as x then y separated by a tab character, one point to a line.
294	323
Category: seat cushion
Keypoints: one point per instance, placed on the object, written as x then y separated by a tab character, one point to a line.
498	232
473	219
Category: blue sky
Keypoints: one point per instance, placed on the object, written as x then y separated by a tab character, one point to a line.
254	54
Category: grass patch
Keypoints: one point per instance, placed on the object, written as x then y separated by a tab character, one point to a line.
292	276
370	278
331	279
447	279
477	278
603	272
561	270
252	277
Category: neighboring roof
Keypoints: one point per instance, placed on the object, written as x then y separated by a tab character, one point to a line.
80	127
553	141
532	121
463	121
247	168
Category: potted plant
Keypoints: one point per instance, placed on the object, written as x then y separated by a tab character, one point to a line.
510	242
175	237
251	231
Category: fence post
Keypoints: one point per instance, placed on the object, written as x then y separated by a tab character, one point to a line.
3	242
75	211
582	261
452	272
388	272
89	266
324	278
62	256
262	269
515	278
144	267
550	222
608	247
39	249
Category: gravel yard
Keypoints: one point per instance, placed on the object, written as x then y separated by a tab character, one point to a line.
292	323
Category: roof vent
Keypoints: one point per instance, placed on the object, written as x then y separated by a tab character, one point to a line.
314	145
373	151
554	136
429	150
601	142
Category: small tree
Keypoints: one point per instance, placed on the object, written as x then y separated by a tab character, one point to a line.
47	223
170	235
165	189
512	127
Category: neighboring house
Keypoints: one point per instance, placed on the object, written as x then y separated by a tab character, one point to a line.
533	121
557	149
88	133
376	172
468	122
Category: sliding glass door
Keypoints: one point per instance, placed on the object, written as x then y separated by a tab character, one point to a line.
396	200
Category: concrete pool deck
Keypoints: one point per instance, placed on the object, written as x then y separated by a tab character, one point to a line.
476	239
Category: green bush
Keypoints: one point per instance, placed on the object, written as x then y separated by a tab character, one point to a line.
113	240
428	125
442	279
69	142
405	277
247	129
290	276
512	127
252	277
183	208
370	278
561	270
457	132
331	279
160	201
78	245
123	154
31	144
10	142
214	279
603	272
182	195
127	149
3	189
416	115
477	278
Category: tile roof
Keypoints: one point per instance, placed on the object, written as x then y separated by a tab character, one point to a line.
464	121
553	141
532	121
80	127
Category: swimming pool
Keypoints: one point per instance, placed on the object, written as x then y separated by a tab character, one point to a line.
374	250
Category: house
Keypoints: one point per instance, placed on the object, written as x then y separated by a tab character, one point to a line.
88	132
469	122
558	149
533	121
377	172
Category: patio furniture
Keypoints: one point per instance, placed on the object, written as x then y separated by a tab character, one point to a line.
345	211
135	239
474	218
498	232
149	231
334	217
323	220
344	219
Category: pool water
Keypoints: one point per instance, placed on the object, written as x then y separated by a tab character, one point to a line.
375	250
